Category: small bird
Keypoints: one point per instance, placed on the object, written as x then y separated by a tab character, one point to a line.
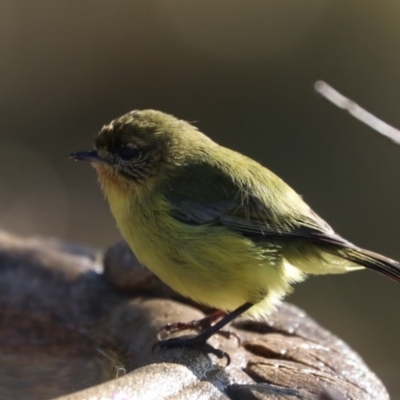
213	224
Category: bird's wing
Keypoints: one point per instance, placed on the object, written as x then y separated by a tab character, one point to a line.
243	209
255	226
262	208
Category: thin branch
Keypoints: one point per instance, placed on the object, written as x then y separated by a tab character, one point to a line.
332	95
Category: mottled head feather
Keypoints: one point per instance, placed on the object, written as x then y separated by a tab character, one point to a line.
156	140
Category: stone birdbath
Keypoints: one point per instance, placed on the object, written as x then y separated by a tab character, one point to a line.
78	324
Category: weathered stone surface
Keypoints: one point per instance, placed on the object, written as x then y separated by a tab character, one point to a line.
54	298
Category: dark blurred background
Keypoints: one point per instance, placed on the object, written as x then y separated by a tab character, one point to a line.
245	72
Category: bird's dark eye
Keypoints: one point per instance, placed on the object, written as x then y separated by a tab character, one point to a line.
128	153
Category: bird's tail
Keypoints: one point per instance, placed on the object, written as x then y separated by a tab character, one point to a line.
374	261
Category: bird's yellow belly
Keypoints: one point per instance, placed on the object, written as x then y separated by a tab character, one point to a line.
208	264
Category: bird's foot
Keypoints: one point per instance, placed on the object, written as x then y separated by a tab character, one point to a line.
200	341
195	342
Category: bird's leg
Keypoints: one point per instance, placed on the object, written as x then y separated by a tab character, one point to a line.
201	339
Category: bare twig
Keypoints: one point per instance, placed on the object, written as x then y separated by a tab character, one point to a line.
332	95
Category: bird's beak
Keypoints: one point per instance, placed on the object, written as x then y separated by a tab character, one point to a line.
88	156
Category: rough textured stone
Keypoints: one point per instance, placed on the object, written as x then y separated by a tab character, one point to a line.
57	304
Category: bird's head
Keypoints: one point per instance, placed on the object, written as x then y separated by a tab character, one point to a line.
131	151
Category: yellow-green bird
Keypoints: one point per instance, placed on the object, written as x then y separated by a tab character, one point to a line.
213	224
